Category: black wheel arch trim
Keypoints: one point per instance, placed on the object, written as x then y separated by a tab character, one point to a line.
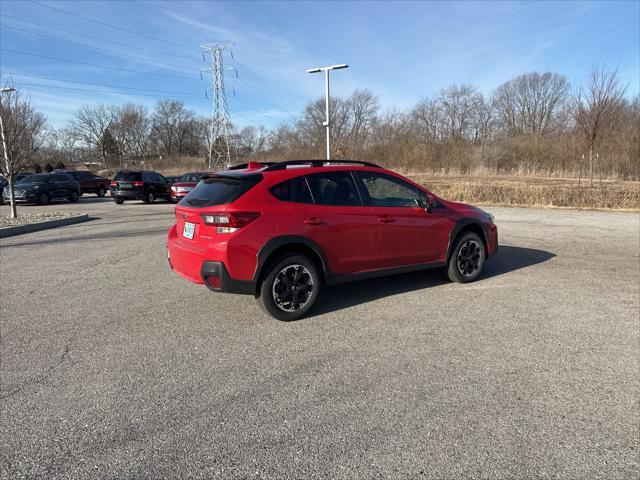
277	242
460	226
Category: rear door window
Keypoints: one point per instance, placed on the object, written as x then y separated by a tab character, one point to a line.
294	190
333	188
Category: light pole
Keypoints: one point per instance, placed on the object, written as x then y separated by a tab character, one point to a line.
6	156
326	123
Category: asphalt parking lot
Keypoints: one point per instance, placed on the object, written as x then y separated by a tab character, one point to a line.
114	367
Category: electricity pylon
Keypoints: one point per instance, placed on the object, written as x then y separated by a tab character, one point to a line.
219	151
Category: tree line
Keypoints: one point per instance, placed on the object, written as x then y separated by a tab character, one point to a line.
535	123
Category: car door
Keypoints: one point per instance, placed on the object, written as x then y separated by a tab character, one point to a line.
407	233
335	218
57	186
162	185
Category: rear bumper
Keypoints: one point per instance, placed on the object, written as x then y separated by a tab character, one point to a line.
193	264
128	195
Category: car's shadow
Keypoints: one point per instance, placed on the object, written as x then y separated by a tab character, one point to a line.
346	295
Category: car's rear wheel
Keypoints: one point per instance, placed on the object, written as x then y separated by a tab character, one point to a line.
467	259
102	191
149	197
290	288
118	201
43	199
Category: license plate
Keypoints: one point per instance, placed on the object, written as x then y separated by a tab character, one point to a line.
189	229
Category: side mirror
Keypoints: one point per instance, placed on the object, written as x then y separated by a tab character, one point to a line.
426	203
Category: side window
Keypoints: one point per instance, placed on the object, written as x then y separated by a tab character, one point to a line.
58	178
295	190
333	188
387	191
146	177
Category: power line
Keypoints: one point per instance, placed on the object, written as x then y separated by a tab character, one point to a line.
57	79
110	52
105	67
89	19
128	45
93	90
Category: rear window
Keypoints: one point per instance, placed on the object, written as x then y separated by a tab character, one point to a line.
127	176
192	177
219	190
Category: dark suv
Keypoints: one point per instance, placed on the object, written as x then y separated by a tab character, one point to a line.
280	232
89	183
41	188
139	185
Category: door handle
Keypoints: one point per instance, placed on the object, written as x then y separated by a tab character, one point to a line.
313	221
386	219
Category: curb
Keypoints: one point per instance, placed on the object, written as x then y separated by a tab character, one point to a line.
36	227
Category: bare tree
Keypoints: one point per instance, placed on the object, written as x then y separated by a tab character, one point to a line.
90	125
532	103
131	130
595	108
23	128
173	127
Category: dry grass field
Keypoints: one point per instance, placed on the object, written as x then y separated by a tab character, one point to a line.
526	191
487	189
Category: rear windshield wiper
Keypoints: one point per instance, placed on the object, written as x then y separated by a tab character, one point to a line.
197	201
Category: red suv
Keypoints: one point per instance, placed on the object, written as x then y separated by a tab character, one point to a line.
281	231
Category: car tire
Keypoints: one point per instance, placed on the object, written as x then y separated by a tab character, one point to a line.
74	197
467	258
101	191
43	199
149	197
118	201
297	273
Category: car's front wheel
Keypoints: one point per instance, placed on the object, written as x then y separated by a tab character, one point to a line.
467	259
290	288
43	199
74	197
118	201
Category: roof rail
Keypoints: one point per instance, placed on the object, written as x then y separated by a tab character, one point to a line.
317	163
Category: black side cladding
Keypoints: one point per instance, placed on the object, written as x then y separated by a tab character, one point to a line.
219	189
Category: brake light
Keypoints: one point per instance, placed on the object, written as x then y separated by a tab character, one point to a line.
114	183
229	222
138	183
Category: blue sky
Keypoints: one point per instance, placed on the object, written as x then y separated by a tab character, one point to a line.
402	51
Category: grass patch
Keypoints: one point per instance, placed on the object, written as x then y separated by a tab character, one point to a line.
534	191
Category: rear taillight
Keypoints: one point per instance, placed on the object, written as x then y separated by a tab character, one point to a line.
229	222
138	183
114	184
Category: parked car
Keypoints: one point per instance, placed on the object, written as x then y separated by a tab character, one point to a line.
89	183
171	179
41	188
3	183
281	232
185	184
139	185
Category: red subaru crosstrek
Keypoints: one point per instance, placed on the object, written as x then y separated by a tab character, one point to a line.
281	231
